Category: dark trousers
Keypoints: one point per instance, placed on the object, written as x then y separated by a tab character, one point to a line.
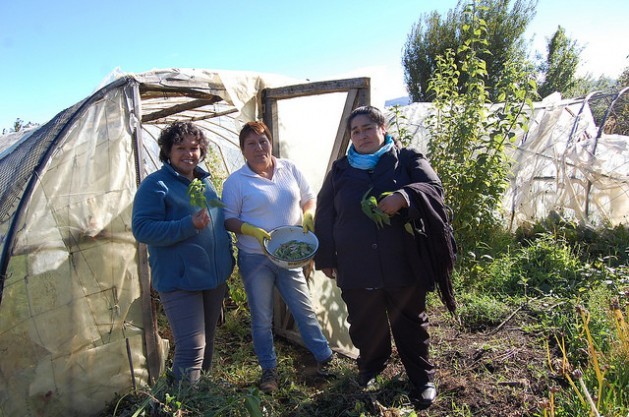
376	313
193	317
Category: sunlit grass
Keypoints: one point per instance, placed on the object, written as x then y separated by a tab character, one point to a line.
587	349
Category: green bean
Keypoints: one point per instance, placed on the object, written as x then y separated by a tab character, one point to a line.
294	250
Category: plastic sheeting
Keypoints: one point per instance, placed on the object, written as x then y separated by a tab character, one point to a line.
70	303
560	166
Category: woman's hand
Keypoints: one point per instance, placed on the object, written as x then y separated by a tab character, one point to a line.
308	221
329	272
392	203
201	219
257	232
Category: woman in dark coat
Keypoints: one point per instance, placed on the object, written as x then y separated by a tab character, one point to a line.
371	262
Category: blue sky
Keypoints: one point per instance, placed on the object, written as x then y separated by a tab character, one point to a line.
55	53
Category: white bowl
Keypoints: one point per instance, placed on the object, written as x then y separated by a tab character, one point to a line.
285	234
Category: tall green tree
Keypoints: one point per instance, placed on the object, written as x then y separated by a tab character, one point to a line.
561	64
588	84
433	34
468	139
18	125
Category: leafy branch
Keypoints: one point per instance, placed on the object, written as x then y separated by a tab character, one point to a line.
196	192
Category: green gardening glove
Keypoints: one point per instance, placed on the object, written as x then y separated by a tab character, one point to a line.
308	221
258	233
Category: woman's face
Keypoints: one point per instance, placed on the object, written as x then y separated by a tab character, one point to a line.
257	150
185	156
367	137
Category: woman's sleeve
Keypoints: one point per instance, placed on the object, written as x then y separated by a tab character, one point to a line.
306	192
424	180
149	223
419	168
325	216
231	199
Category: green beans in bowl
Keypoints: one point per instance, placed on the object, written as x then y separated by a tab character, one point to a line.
289	247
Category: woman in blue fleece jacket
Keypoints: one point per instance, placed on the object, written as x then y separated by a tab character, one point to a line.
190	252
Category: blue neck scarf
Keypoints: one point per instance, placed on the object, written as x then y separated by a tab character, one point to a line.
368	161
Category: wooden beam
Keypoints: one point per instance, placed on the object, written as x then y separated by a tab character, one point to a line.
269	117
154	360
355	98
342	136
148	92
179	108
316	88
213	115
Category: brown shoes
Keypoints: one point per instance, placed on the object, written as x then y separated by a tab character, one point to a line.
268	382
326	367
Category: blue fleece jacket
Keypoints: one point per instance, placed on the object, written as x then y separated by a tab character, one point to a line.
181	257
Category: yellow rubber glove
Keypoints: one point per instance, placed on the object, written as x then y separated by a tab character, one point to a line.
258	233
308	221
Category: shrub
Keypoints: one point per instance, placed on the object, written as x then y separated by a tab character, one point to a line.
480	312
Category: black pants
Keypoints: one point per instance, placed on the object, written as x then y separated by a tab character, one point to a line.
376	313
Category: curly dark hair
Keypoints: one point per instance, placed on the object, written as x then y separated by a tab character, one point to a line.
175	133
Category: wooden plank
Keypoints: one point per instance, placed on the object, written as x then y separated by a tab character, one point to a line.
355	98
149	321
193	104
213	115
364	97
148	92
342	136
316	88
269	117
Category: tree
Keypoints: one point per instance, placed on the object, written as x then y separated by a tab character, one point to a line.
433	34
467	145
18	125
588	84
560	66
623	80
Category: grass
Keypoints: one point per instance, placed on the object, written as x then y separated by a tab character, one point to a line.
231	389
543	326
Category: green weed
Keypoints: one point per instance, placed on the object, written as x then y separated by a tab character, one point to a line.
598	386
481	312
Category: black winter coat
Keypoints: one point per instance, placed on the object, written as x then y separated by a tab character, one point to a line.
364	255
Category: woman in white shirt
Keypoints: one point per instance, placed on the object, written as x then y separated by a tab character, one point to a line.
267	192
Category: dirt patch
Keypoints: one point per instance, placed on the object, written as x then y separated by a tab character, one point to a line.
501	373
492	374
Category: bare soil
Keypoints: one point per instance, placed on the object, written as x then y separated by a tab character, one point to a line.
502	372
494	373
